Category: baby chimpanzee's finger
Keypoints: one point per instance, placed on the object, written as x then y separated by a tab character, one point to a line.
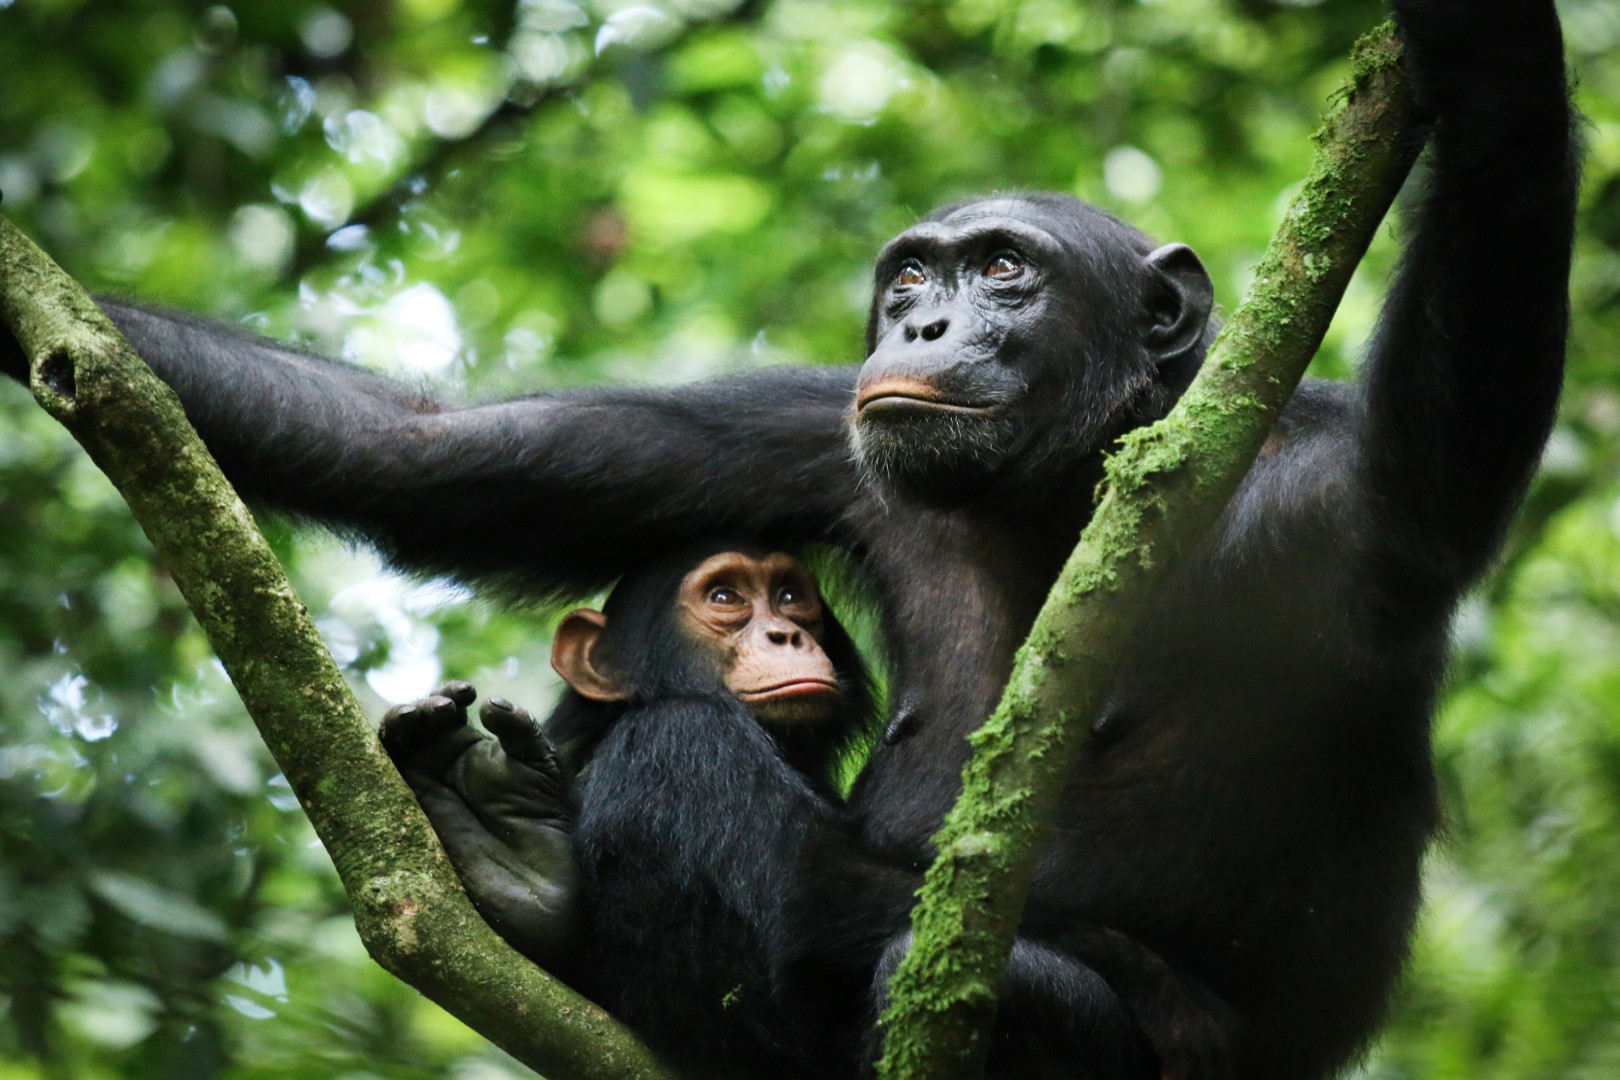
458	691
519	733
409	729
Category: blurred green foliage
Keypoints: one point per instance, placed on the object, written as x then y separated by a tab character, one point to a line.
556	192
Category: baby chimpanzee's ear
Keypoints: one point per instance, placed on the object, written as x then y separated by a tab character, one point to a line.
572	656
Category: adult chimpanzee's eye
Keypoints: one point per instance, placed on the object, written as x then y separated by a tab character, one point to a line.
911	273
1004	266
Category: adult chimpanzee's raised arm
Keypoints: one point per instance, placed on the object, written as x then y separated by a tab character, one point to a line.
1464	372
559	492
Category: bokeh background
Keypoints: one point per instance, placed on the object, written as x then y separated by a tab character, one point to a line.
493	197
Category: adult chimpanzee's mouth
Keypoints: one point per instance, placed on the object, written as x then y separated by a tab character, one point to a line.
899	394
791	688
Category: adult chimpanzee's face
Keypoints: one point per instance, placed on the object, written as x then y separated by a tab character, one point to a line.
955	303
1010	332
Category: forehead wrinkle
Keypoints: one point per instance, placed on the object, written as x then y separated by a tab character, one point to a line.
1022	234
1024	211
760	561
1001	206
780	562
1068	228
942	236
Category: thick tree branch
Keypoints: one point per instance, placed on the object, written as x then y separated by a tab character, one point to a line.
408	904
1164	488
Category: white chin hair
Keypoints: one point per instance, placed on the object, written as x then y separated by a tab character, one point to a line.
946	450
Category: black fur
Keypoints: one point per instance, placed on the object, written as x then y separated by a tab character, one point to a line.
735	921
690	839
1263	792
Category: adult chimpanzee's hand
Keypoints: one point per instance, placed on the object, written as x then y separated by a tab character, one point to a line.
1480	56
503	808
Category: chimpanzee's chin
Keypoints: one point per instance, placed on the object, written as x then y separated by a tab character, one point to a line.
797	714
943	459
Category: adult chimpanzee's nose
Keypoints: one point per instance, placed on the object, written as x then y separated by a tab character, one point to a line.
929	327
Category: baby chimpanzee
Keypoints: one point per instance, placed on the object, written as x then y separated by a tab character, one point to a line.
734	920
710	699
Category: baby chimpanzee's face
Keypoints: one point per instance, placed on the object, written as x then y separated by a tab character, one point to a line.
761	618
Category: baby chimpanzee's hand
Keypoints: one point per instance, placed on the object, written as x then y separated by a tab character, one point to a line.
503	808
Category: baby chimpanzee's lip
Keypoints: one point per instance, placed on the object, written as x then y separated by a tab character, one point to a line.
792	688
911	394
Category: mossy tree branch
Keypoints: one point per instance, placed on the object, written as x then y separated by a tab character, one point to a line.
1165	486
408	904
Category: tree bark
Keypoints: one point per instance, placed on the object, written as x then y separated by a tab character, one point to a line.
408	903
1165	486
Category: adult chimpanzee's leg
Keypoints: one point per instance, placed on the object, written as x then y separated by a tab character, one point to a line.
1057	1019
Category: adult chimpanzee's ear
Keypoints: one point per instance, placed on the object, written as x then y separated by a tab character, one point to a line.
1182	299
571	656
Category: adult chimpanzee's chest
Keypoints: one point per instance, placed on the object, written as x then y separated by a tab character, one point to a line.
1254	718
960	592
1263	757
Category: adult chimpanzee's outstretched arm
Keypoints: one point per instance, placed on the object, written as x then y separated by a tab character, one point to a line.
560	492
1467	362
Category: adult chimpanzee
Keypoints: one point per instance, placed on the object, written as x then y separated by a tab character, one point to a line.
1262	789
735	920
